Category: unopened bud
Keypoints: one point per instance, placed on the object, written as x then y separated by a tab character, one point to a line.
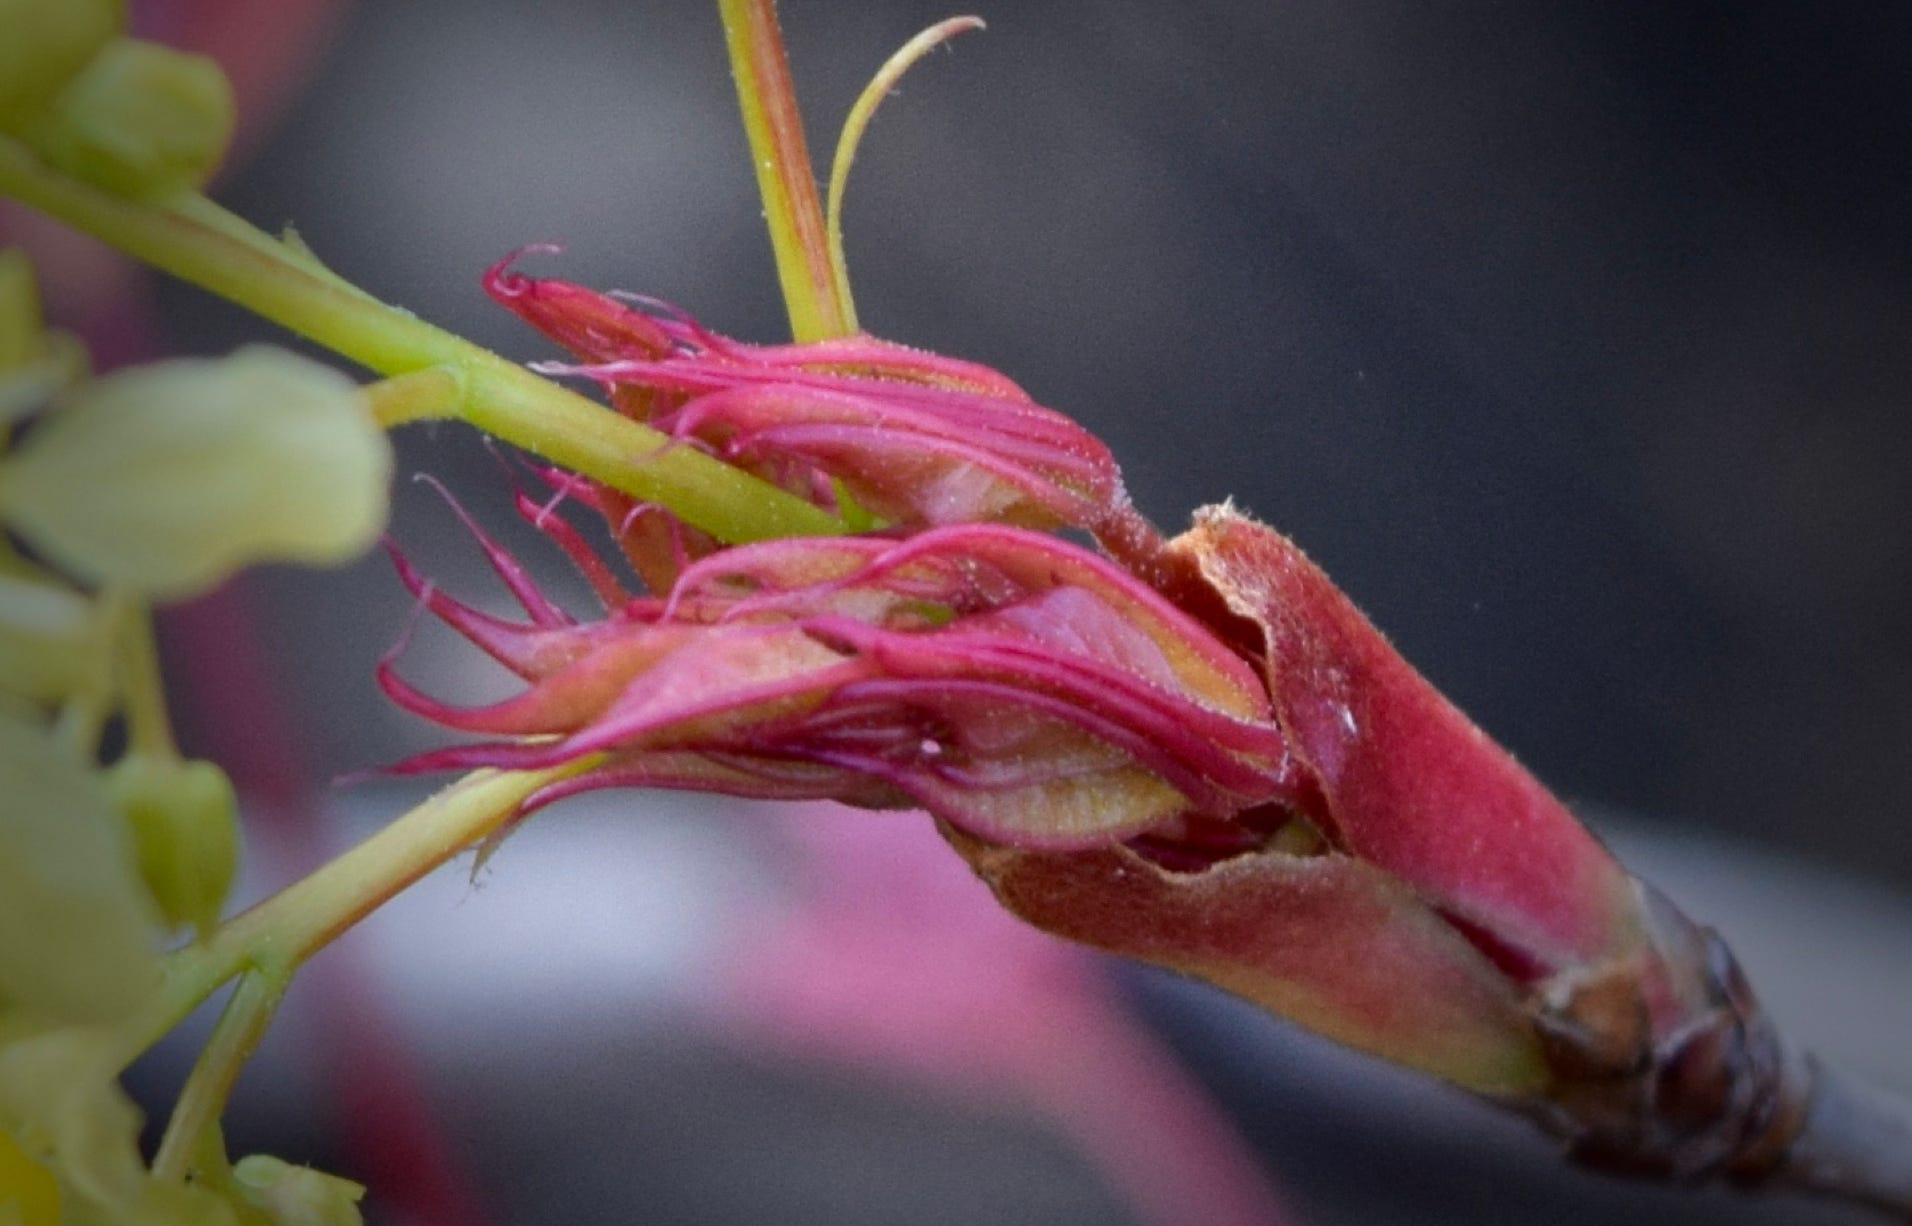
185	825
139	119
50	641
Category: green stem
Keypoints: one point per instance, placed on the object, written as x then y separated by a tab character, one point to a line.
816	287
818	303
203	1098
419	396
283	931
194	207
81	722
149	731
193	239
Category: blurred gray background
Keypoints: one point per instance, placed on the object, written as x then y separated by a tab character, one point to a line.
1574	340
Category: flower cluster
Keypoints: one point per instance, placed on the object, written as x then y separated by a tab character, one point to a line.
144	486
862	426
1194	751
950	658
1008	682
915	437
147	485
1200	754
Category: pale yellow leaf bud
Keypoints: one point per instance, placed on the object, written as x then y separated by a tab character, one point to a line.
61	1101
139	119
185	825
166	478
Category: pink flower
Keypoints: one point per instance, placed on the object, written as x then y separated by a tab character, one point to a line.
1203	757
916	438
1012	684
1458	918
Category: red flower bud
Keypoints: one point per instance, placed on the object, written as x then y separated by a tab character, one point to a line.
1209	760
916	438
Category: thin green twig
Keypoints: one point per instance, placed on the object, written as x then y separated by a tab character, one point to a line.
193	239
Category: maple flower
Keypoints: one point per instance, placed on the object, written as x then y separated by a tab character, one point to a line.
1199	754
1012	684
914	437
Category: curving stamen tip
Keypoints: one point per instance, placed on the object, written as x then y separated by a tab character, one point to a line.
501	281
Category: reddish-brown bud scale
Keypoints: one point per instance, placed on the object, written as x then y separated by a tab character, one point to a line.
1326	940
1407	782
